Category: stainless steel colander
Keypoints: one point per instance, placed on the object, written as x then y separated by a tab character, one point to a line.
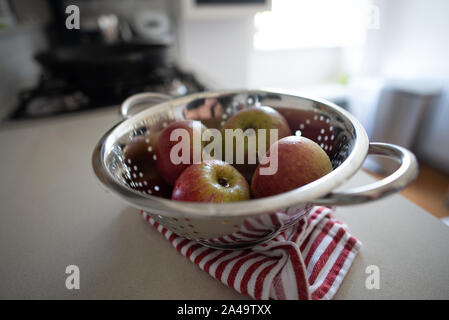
246	223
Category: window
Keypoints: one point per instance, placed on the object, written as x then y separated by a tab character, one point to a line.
318	23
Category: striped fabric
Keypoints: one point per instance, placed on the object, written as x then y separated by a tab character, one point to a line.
306	261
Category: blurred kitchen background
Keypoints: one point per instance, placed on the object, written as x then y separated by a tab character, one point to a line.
384	61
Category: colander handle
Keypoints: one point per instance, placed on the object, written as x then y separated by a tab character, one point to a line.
147	98
406	173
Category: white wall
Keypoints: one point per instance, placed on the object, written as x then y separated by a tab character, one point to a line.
222	51
217	49
292	69
412	41
413	44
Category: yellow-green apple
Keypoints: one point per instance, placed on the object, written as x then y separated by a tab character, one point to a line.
255	118
300	161
211	181
179	145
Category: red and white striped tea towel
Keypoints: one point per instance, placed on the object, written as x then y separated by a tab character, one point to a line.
306	261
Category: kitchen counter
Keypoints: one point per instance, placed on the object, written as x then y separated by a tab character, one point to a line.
55	214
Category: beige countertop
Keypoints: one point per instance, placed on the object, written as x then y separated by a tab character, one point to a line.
55	214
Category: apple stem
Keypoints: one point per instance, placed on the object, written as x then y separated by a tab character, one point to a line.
223	182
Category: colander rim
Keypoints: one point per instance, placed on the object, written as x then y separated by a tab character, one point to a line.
306	194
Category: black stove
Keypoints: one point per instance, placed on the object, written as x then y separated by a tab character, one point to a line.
54	96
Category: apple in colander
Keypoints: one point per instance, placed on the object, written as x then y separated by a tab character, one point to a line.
255	118
211	181
141	151
139	156
185	138
300	161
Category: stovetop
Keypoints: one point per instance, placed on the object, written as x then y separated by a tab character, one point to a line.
53	96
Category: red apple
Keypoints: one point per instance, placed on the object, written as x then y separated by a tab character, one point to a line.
167	167
300	161
140	151
255	118
211	181
140	158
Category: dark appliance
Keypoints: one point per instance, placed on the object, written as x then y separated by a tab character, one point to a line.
55	95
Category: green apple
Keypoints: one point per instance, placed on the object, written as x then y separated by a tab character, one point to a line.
255	118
